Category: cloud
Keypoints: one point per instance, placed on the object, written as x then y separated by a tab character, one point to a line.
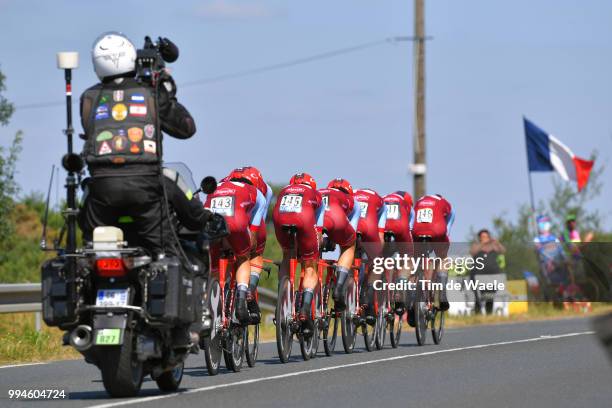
234	10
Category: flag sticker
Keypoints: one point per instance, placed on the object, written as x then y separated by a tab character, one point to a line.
138	109
137	98
118	96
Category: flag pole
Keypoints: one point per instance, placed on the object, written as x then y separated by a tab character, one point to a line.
532	201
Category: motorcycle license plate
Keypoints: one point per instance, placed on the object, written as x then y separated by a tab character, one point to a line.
108	337
112	297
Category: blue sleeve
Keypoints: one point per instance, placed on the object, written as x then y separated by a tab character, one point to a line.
355	214
320	215
382	217
450	218
269	195
411	217
259	210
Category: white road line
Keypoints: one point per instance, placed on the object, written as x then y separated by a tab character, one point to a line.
318	370
21	365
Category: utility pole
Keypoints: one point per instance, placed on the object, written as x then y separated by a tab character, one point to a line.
418	167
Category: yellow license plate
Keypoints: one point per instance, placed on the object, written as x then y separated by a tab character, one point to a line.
108	337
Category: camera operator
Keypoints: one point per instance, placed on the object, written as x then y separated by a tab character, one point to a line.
122	149
123	117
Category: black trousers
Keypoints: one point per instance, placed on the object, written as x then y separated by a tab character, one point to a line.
139	199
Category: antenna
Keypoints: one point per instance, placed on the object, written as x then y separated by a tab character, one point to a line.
43	238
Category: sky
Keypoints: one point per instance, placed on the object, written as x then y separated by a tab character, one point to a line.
488	64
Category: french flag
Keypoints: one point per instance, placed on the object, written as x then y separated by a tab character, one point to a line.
546	153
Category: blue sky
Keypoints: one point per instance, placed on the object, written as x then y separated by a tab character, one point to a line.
490	63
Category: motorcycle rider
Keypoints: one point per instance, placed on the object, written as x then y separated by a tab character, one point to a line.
123	118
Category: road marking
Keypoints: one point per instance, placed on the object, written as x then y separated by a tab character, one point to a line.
323	369
21	365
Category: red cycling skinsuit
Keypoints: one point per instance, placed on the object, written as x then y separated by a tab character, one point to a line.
338	206
236	202
433	217
299	205
399	216
371	221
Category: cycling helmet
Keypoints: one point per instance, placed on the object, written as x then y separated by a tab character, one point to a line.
242	174
342	185
304	178
113	54
257	179
405	196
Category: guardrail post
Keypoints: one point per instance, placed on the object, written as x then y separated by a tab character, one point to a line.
38	322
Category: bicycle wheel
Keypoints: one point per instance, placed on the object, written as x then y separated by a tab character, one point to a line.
437	326
213	345
330	325
251	343
381	321
284	319
308	345
395	330
317	323
420	314
346	317
234	349
369	335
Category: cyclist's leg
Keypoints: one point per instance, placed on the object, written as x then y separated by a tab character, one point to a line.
256	268
373	248
240	242
308	246
441	247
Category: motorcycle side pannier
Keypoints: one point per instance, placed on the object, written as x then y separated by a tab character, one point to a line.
58	294
171	292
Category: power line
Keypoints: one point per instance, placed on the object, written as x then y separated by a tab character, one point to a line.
254	71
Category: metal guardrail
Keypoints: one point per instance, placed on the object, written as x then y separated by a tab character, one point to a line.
26	297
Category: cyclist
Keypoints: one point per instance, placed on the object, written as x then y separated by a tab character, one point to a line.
341	215
400	215
371	227
434	217
242	205
300	204
260	246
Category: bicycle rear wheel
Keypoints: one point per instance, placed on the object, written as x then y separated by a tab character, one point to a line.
420	314
308	346
381	321
437	326
330	324
346	318
395	330
369	335
213	345
234	349
284	319
251	343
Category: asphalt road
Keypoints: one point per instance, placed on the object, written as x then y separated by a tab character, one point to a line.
539	364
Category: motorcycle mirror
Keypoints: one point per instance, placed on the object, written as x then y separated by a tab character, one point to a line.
208	184
72	162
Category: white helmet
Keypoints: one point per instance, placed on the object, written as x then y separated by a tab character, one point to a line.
113	54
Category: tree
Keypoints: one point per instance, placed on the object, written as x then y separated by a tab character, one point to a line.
8	161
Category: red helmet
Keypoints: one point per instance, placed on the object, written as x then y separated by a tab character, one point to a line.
304	178
257	179
405	196
242	174
342	185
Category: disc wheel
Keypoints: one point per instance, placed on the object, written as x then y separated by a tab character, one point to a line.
213	344
284	317
234	349
420	315
437	326
381	321
346	317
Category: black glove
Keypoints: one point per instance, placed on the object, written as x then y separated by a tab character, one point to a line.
167	93
216	227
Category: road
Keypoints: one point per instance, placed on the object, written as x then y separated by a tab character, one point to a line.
544	364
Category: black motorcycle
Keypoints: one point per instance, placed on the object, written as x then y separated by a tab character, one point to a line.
127	313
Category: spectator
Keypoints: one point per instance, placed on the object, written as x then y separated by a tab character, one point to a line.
489	249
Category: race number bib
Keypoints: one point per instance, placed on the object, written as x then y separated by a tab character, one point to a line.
325	202
291	203
424	215
393	212
364	209
223	206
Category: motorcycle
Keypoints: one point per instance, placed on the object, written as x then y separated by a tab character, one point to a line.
126	312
